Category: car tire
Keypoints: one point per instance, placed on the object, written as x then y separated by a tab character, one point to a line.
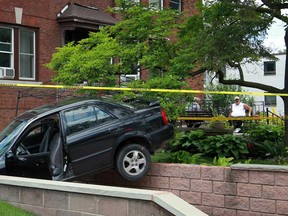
133	162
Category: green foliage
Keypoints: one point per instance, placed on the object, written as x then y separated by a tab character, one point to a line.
187	141
220	146
220	103
140	39
271	149
177	157
267	140
224	146
262	132
222	161
184	157
173	103
221	34
75	63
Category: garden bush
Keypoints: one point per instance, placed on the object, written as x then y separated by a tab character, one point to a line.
187	141
267	141
262	132
224	146
220	146
261	142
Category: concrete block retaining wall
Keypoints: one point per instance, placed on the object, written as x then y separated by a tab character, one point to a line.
239	190
51	198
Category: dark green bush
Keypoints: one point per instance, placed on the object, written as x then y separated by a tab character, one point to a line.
224	146
267	141
260	141
187	141
220	146
262	132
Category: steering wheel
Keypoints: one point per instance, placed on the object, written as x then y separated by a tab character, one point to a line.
21	150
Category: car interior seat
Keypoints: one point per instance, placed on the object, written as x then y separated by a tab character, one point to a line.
56	156
45	141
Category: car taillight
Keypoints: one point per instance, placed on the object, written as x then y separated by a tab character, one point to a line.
164	117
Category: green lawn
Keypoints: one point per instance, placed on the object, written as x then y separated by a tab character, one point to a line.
7	209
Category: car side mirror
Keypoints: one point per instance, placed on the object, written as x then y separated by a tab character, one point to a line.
9	154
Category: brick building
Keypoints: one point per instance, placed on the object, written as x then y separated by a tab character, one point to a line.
29	33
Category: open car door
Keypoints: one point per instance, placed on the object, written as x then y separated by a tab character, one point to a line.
29	157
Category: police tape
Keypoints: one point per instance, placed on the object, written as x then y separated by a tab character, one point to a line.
100	88
254	118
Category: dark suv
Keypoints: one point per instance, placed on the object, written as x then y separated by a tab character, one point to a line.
82	136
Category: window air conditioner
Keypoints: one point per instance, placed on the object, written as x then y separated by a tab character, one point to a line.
7	73
129	77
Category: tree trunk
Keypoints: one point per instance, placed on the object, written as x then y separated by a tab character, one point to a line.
285	100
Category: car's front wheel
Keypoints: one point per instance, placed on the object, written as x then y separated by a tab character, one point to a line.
133	162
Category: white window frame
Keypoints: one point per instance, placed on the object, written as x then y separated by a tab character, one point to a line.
176	2
268	102
12	48
160	3
28	54
266	72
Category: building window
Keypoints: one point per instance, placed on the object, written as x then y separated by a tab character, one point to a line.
270	68
17	53
175	4
27	54
156	4
270	100
6	47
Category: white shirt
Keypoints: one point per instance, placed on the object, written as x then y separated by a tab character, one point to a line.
238	110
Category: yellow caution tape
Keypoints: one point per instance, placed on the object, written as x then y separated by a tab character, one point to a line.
229	118
140	89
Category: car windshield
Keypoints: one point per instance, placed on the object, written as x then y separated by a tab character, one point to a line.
9	134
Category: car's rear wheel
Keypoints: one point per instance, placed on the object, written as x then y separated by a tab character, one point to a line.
133	162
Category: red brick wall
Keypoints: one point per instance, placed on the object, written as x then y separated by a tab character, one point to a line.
217	191
41	15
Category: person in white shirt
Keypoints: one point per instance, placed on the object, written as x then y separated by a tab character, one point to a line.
238	109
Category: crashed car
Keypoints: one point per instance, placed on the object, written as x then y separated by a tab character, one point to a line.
83	136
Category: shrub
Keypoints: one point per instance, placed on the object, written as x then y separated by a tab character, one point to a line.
187	141
224	146
267	140
262	132
271	149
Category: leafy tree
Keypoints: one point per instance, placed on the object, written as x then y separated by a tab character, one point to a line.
88	61
231	33
143	39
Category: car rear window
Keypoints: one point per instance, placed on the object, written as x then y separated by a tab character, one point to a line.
117	110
